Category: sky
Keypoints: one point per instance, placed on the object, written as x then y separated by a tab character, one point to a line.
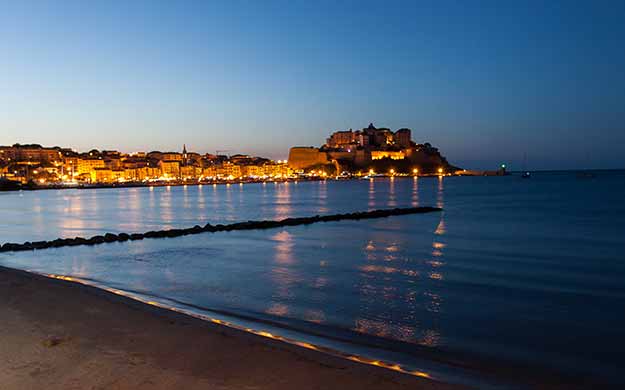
485	81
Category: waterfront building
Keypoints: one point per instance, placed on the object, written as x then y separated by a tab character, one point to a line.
368	148
301	157
190	172
252	171
29	153
84	166
209	171
169	168
101	175
228	170
276	170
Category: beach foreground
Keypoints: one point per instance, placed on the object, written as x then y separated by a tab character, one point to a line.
61	335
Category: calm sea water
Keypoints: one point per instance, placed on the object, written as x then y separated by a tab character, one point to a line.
513	272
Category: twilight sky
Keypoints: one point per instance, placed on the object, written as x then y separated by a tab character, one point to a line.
485	81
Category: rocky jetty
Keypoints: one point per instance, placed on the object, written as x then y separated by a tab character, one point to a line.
208	228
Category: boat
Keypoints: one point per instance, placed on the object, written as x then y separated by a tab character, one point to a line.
526	175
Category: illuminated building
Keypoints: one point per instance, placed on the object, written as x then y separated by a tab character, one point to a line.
190	171
87	165
252	171
276	170
380	154
101	175
172	156
170	168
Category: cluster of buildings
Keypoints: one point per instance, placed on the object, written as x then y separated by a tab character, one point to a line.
42	165
348	152
370	149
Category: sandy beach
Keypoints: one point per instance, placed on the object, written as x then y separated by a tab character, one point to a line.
60	335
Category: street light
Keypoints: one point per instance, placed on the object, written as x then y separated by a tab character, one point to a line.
415	171
440	171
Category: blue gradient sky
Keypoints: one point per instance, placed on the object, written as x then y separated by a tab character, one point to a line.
483	80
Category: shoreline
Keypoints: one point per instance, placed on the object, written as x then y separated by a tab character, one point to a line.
60	332
57	334
182	183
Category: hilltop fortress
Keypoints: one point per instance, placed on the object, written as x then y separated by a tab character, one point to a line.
370	149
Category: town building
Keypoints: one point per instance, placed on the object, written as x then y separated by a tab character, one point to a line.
169	168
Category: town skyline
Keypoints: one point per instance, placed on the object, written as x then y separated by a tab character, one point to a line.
344	154
485	83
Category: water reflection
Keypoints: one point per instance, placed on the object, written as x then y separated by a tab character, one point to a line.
371	194
282	273
440	192
399	290
228	204
74	219
278	309
392	200
130	205
166	208
322	197
282	201
432	295
415	192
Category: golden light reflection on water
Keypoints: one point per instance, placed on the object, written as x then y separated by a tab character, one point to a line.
278	309
371	194
282	200
402	313
440	200
322	197
392	198
388	270
282	274
201	203
263	333
228	204
414	199
129	205
166	208
283	247
75	219
440	228
317	316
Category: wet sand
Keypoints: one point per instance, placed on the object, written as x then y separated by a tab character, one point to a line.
60	335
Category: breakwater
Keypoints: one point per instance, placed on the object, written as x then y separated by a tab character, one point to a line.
208	228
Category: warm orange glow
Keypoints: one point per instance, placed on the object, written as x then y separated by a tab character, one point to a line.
440	170
355	358
415	171
392	171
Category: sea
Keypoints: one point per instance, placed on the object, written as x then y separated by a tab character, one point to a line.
514	281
